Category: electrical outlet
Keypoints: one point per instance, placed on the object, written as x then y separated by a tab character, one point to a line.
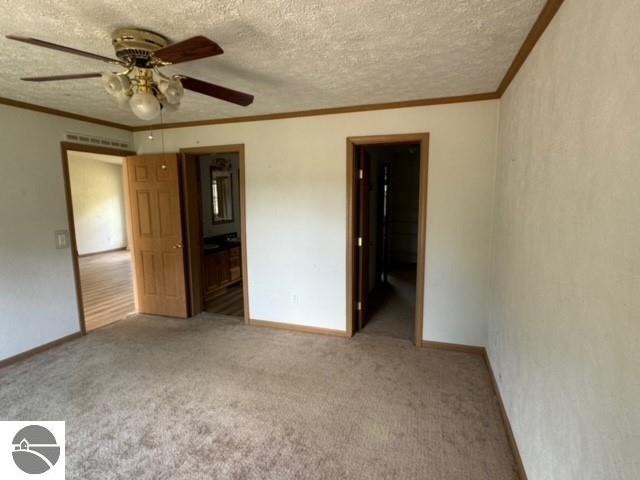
295	299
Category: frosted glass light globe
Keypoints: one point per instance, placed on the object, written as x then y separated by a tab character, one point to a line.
172	90
115	84
122	99
144	105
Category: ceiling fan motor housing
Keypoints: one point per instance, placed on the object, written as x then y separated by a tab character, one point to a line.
136	46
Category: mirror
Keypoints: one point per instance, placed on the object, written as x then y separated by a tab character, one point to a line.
221	196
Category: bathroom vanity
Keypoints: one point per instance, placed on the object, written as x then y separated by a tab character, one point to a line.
221	266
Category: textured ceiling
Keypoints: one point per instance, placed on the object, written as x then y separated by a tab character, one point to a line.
291	54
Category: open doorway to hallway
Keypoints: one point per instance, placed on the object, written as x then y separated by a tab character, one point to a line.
393	187
387	223
99	225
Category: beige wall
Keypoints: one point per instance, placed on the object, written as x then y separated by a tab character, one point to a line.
37	292
564	338
296	211
98	204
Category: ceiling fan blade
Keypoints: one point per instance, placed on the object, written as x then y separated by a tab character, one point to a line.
187	50
53	78
61	48
217	91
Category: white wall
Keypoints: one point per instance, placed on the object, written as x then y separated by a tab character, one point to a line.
37	293
564	339
296	211
98	204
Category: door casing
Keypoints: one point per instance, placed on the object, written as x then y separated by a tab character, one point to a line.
192	213
352	215
79	147
363	165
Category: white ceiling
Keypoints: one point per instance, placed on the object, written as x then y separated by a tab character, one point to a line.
291	54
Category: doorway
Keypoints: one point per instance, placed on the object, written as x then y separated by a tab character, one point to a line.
387	193
214	201
99	233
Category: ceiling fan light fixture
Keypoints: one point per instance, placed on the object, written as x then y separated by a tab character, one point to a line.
172	90
113	83
168	107
145	105
122	99
141	86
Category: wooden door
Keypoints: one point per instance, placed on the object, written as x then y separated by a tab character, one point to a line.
363	240
192	206
383	220
157	249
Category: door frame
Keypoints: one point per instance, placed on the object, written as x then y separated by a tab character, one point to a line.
79	147
192	214
352	142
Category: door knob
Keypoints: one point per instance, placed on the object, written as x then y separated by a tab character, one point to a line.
177	245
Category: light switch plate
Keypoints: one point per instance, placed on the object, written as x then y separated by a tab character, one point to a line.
62	239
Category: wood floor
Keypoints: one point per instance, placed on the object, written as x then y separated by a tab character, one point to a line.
107	288
229	303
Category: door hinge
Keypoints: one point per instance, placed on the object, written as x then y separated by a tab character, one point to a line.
359	241
358	306
360	174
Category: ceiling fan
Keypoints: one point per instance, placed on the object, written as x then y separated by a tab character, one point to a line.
141	85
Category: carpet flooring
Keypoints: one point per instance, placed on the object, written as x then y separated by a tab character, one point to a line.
212	398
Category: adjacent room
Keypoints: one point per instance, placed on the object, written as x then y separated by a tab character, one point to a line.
101	236
320	240
220	196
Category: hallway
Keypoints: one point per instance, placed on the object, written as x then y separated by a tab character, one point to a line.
392	307
107	288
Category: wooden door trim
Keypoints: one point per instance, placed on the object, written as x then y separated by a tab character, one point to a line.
65	148
191	192
352	142
215	149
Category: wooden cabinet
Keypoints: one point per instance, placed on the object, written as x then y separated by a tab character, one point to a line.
221	269
235	270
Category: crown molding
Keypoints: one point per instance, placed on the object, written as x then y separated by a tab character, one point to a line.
544	19
60	113
542	22
325	111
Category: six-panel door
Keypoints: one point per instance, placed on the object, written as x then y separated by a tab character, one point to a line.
154	197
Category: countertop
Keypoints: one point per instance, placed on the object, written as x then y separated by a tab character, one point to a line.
211	248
